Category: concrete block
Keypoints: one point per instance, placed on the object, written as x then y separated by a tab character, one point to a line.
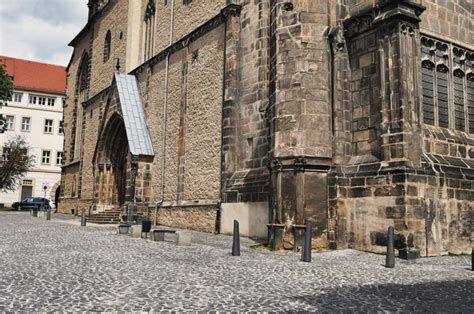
183	238
157	236
123	229
252	218
136	231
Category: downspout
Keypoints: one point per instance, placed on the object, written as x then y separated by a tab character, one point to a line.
165	117
217	226
330	39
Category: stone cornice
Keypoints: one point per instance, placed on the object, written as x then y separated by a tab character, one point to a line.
229	10
383	12
299	164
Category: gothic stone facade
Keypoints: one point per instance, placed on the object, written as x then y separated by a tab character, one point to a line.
350	115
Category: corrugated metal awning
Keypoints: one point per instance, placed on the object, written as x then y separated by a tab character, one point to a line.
138	136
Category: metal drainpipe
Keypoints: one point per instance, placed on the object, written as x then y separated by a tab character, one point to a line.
165	115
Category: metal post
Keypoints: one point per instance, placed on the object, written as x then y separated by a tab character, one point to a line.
390	259
133	177
236	240
306	254
44	198
472	259
83	218
129	213
48	214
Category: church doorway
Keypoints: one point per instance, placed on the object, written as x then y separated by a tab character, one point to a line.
112	164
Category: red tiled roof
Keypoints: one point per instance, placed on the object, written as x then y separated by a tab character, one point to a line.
35	76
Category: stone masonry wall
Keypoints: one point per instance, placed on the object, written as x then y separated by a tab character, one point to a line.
419	181
93	115
193	218
452	20
246	134
202	91
195	14
431	211
114	19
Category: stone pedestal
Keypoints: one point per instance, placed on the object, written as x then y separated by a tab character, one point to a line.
183	238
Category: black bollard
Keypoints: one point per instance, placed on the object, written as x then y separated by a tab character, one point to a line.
306	254
83	219
48	214
236	240
390	258
472	259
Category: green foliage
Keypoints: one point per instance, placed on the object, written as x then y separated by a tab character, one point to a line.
14	163
6	91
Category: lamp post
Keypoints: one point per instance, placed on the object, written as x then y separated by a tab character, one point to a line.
48	212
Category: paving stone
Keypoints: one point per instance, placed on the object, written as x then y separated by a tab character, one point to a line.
58	265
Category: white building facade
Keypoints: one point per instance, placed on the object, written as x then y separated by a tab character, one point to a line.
37	116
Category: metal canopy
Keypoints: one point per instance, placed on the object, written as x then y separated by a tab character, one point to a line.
138	136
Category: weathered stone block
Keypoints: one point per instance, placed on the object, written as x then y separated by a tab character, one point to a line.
183	238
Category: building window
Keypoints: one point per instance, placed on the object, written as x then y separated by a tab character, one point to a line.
447	85
46	157
107	43
10	122
61	127
442	95
27	182
470	100
48	126
33	100
82	88
186	2
59	158
25	124
17	97
428	92
51	101
458	86
149	29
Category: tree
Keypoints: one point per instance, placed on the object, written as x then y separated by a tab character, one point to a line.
14	163
6	91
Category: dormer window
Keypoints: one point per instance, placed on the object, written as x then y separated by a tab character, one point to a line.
107	43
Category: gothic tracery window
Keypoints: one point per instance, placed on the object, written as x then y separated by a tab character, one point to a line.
447	82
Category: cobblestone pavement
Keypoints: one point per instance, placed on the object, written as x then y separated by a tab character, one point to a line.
57	265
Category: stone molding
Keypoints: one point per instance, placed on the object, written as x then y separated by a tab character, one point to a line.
368	20
299	164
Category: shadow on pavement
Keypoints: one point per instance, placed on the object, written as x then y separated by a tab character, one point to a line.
442	296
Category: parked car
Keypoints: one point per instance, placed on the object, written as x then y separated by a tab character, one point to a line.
32	203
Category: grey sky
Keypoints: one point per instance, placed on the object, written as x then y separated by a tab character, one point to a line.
40	29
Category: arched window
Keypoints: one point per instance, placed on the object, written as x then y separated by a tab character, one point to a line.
82	88
107	46
149	29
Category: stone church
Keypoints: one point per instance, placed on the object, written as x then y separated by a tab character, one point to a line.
351	115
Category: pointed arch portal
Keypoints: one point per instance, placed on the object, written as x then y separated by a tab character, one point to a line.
123	139
112	163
